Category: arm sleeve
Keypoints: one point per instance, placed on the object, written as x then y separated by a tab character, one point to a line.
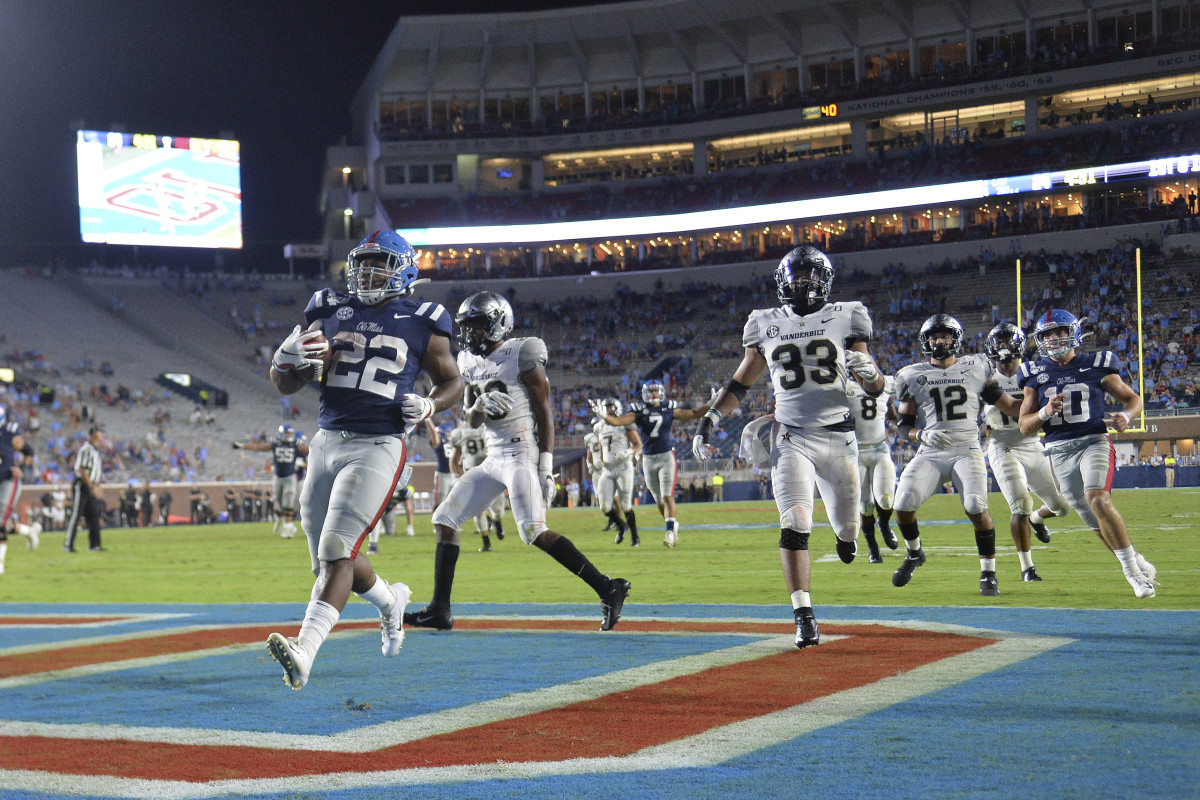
752	333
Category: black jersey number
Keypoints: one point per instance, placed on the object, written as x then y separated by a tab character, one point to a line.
494	386
790	358
948	400
870	408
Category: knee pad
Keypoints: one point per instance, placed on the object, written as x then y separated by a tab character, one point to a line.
907	502
529	531
797	518
1021	505
975	503
793	540
884	502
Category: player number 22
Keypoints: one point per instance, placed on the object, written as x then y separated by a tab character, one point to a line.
350	371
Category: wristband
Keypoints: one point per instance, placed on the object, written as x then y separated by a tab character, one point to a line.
1044	414
545	463
714	415
1128	417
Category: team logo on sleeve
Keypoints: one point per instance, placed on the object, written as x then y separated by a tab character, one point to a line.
1042	378
345	312
772	331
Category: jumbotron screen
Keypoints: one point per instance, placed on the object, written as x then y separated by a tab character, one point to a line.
144	189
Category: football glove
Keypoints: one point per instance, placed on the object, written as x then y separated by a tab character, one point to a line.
862	365
938	439
597	407
299	350
415	409
546	476
702	441
496	404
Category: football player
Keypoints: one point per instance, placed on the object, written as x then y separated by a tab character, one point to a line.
811	347
443	477
12	442
1064	396
380	339
876	472
1018	461
620	447
285	451
591	460
470	450
508	393
653	417
939	404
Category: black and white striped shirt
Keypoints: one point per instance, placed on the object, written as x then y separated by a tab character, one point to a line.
88	462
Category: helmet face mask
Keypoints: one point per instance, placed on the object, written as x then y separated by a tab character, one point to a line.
287	433
804	280
950	328
1057	334
381	267
653	392
484	320
613	407
1005	343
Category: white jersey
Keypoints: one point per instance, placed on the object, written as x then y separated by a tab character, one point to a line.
1005	429
592	442
807	360
947	399
615	446
471	442
870	413
501	371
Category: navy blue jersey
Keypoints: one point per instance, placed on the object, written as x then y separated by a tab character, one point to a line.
377	353
654	424
285	455
442	452
1079	383
8	456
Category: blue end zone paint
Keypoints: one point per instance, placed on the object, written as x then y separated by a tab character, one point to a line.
1115	713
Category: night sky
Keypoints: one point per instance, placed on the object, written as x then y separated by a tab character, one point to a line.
279	76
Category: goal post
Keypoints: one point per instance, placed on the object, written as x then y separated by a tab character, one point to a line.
1141	381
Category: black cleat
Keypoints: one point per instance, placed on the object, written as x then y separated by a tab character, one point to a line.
634	541
613	601
908	566
608	527
430	617
620	534
1041	532
987	584
846	550
499	526
487	547
807	632
889	538
1030	575
873	556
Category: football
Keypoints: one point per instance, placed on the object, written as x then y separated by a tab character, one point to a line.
327	358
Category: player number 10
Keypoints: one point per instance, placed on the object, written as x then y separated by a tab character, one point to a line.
1075	403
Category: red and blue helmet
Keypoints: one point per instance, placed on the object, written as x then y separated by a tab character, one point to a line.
653	392
1055	320
287	433
373	282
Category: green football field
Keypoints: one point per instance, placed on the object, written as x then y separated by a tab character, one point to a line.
727	554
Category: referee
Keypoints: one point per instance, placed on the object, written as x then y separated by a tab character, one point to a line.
86	501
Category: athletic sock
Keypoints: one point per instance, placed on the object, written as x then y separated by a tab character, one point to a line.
1026	559
632	522
1128	559
1035	518
319	620
616	520
487	542
379	595
565	553
868	529
912	535
800	599
884	514
670	523
444	560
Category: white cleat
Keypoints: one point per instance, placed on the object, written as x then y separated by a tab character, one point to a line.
1142	587
391	625
32	532
671	538
410	531
1148	570
292	657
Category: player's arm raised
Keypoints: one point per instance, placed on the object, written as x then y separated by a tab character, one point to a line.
860	365
259	446
694	412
